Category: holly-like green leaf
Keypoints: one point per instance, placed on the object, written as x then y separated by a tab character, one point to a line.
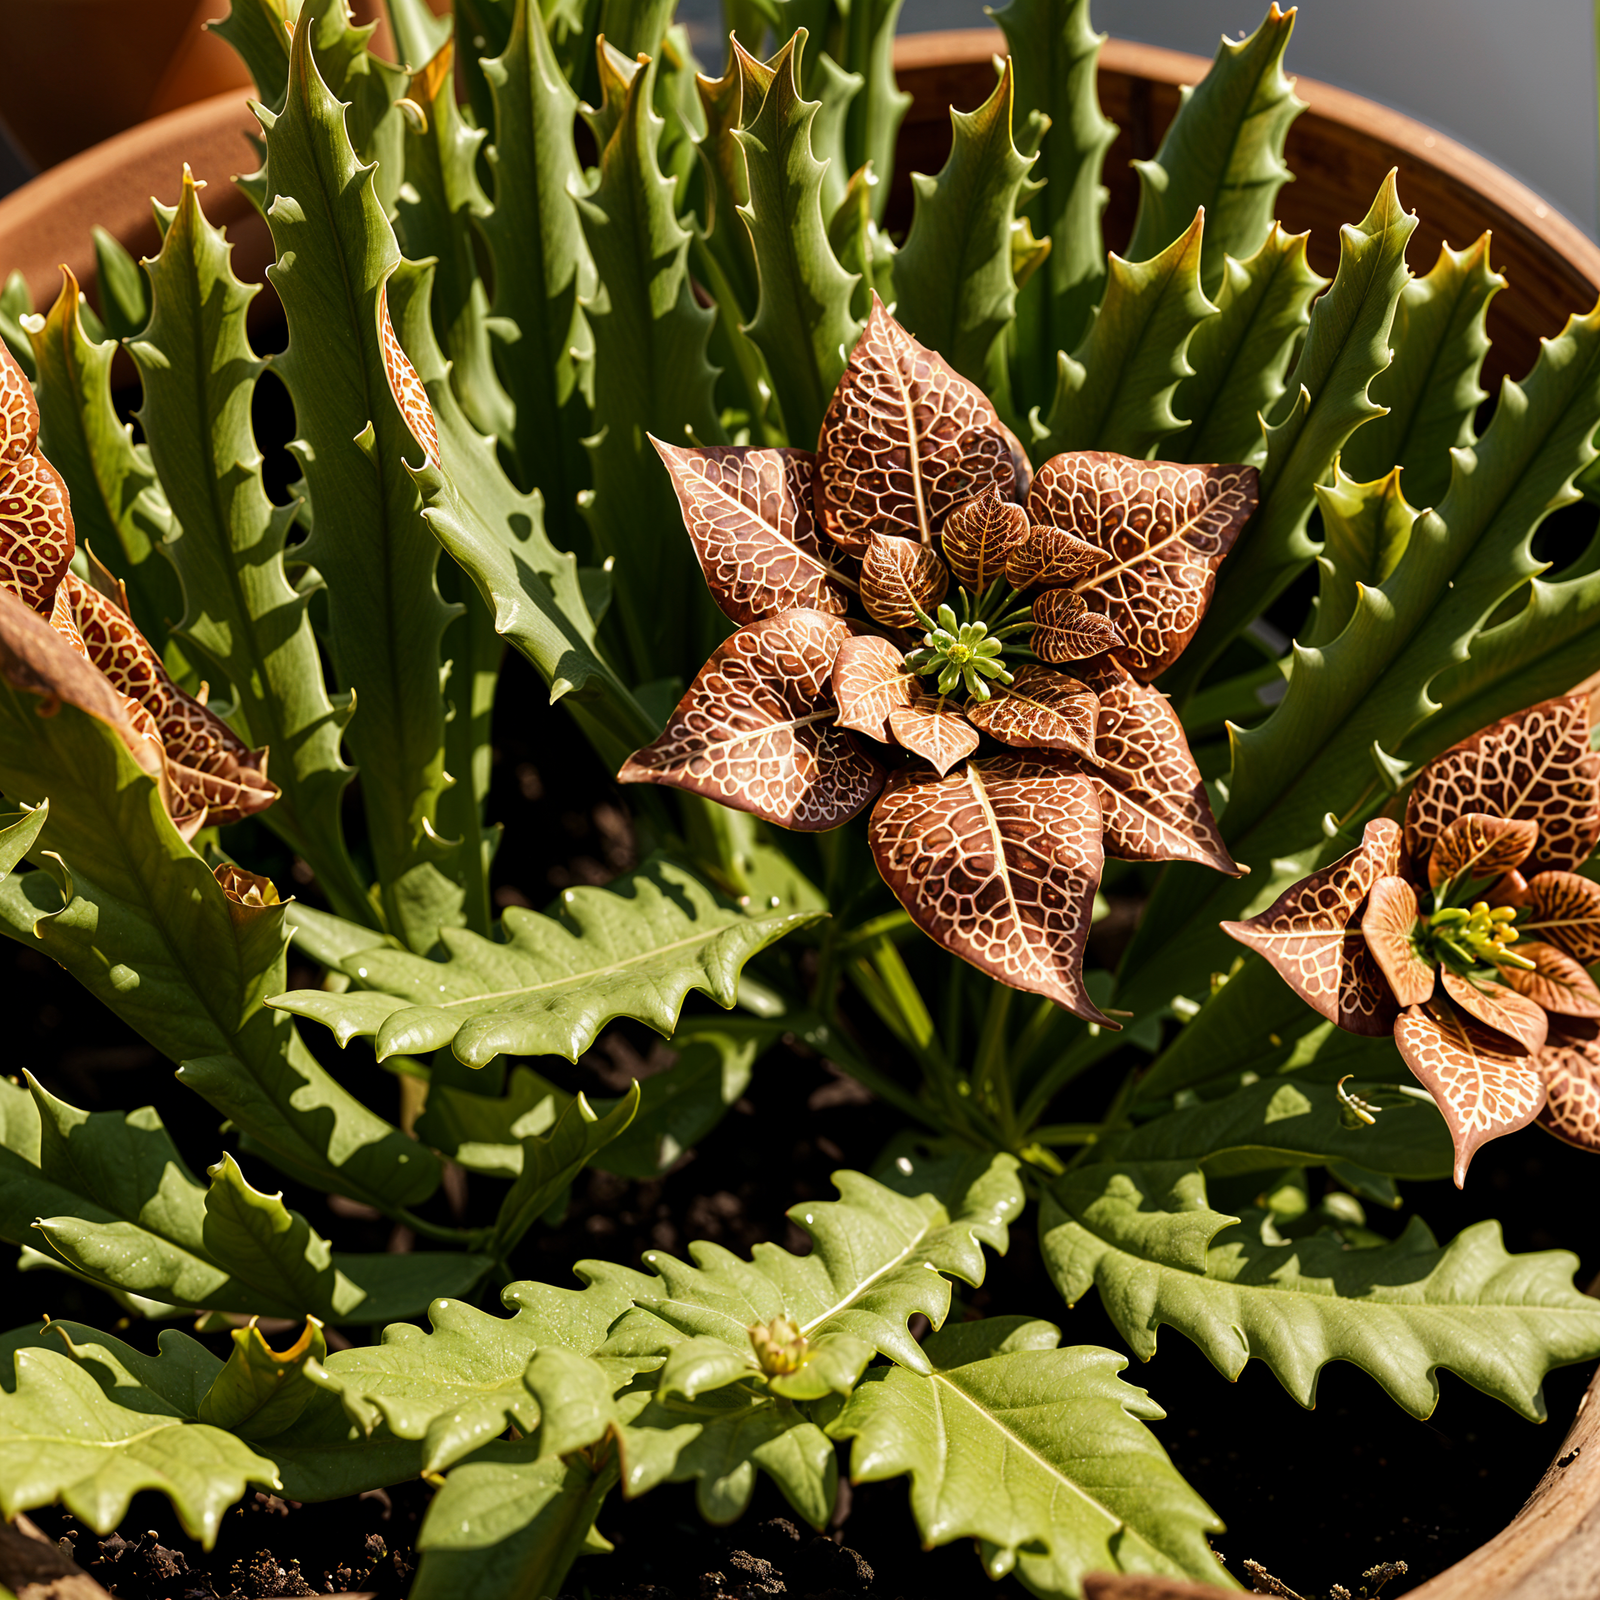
956	288
802	323
255	29
65	1437
1366	529
1223	152
510	1523
1240	355
124	289
1114	392
542	267
261	1391
459	1385
1054	53
119	508
1431	386
550	984
336	253
1346	347
1146	1237
879	1257
651	376
1037	1453
243	619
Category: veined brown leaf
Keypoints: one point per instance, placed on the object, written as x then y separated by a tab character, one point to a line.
1484	1085
1566	911
1535	765
977	536
869	681
1166	529
1388	925
749	516
998	862
1495	1006
1040	710
405	386
1067	630
1310	933
1557	983
905	440
757	730
899	577
1152	797
1570	1067
36	535
932	727
1050	558
1481	846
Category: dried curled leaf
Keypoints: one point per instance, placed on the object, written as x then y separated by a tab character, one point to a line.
932	727
758	732
1481	846
1565	910
1389	926
1570	1067
1535	765
1066	630
869	681
405	386
749	515
905	440
1050	558
1312	935
977	536
998	862
1165	528
1557	983
1152	797
1484	1085
1040	709
898	577
1500	1008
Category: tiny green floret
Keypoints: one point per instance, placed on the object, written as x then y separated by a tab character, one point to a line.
960	654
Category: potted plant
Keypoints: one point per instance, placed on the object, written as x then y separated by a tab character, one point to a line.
915	587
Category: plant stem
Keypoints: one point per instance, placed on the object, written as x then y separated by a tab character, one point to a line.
991	1079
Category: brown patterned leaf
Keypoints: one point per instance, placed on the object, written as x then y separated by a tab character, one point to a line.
905	440
869	681
1500	1008
1480	846
1310	933
898	576
1388	925
1067	630
1535	765
1152	796
36	536
1165	527
977	535
999	863
757	730
405	386
1570	1067
1566	911
1557	983
932	727
748	512
1050	558
1040	709
19	412
1484	1085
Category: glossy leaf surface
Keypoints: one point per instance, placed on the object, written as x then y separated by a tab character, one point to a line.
1040	710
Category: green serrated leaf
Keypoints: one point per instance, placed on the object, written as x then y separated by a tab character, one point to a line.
243	617
1240	355
1037	1453
1327	399
419	35
1146	1237
872	121
1223	152
633	949
119	509
651	376
124	290
1366	528
878	1259
802	323
542	269
255	29
63	1437
1115	391
261	1391
336	253
1054	52
1431	386
15	304
956	287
